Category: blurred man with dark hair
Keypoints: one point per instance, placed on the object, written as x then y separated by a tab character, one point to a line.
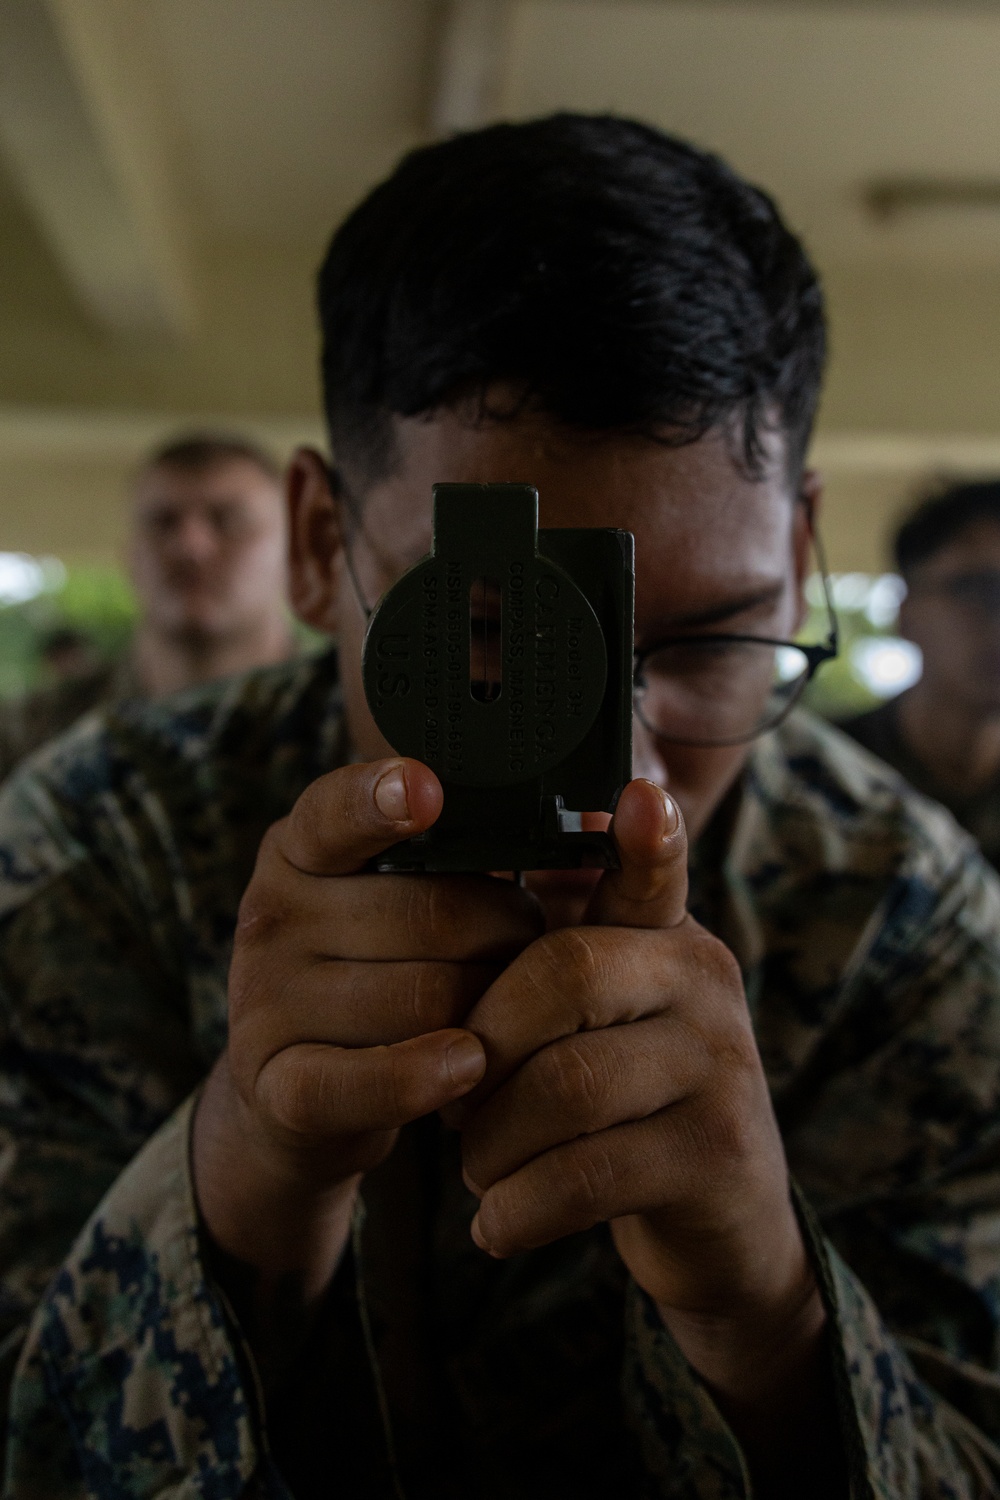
457	1188
943	734
67	654
208	561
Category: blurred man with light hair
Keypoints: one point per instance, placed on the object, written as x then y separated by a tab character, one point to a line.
207	560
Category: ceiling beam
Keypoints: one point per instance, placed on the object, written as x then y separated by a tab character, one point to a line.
75	435
470	64
81	137
888	453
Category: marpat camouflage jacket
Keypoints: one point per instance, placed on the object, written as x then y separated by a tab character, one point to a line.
26	723
868	930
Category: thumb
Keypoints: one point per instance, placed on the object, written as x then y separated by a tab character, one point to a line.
650	889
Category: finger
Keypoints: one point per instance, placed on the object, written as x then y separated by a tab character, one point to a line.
574	980
361	1004
390	917
641	1167
347	817
462	918
316	1092
650	887
579	1086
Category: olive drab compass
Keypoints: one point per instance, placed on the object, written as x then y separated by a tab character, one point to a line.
503	661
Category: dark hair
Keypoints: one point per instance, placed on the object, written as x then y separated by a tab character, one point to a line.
193	451
940	518
618	277
64	638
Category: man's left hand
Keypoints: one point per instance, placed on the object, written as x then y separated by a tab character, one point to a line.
623	1084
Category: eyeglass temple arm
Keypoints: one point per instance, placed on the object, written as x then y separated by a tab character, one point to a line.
352	575
827	652
339	491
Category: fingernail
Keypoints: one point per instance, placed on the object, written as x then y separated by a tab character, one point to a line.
472	1186
465	1061
477	1234
390	796
477	1238
671	816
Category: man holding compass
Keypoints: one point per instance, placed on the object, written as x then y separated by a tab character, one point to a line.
672	1180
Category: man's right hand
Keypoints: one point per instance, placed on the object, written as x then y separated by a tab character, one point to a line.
347	994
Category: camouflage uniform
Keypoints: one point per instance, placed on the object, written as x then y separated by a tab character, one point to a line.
30	721
868	930
978	811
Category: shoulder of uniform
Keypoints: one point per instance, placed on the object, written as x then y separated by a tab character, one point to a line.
79	793
30	720
131	1309
209	715
809	774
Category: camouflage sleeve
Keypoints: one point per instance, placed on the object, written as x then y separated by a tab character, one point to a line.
893	1134
130	1383
686	1449
913	1442
891	1127
901	1438
95	1045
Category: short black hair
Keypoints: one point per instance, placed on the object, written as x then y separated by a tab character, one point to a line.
191	452
620	278
940	518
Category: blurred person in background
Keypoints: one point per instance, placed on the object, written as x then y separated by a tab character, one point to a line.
76	680
943	734
68	655
207	559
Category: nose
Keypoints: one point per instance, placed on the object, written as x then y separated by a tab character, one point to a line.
194	540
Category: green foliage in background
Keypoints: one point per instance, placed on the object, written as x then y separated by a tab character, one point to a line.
837	691
866	610
97	601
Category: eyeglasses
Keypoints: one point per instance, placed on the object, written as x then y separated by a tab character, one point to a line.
715	690
700	690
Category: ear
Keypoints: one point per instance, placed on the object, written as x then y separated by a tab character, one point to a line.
807	508
314	541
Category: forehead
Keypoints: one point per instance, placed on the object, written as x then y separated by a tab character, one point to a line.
229	480
703	526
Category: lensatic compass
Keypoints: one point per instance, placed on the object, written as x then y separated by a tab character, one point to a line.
503	660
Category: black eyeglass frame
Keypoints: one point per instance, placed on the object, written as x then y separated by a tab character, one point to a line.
340	492
815	654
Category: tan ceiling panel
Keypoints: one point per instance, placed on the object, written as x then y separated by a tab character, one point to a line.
814	101
290	108
78	136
